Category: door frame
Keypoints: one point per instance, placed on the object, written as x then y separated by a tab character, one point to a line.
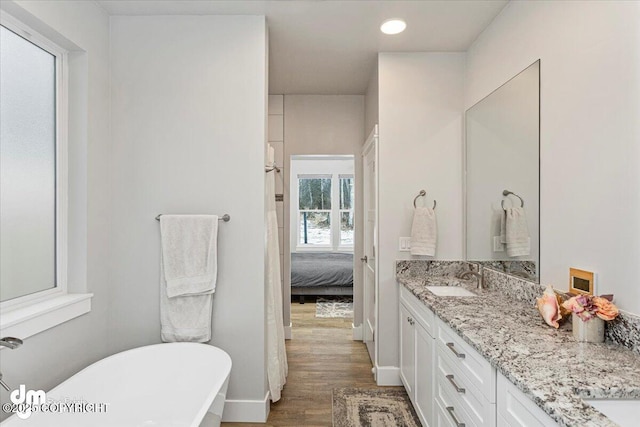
370	144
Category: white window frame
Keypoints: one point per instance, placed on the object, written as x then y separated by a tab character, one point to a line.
299	170
309	247
340	176
29	314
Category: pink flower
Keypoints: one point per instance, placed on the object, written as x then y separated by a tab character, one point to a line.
606	309
573	305
587	307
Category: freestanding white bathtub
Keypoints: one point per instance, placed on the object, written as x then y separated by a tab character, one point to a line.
163	385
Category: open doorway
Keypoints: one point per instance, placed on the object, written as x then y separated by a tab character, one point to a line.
322	237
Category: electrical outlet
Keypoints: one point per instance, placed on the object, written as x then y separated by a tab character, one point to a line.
498	246
404	244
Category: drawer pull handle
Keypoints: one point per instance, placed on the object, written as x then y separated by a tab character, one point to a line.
456	386
455	420
460	355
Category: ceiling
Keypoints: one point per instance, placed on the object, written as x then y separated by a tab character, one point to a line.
330	47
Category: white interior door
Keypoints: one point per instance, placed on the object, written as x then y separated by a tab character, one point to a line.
369	262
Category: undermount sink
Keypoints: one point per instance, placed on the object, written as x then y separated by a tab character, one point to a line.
622	412
450	291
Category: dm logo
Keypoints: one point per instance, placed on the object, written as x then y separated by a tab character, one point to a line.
26	399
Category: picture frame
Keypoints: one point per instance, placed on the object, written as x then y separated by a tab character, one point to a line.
581	282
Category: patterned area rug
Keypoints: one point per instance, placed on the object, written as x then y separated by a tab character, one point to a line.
378	407
334	307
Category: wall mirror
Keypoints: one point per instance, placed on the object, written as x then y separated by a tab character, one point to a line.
503	177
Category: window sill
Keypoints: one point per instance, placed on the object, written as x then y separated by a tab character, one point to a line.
343	249
26	321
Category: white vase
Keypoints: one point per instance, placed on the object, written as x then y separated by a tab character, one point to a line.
590	331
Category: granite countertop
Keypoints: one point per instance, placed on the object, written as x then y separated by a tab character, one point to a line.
548	365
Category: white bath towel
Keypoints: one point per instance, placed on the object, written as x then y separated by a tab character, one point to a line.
517	232
189	253
424	232
188	270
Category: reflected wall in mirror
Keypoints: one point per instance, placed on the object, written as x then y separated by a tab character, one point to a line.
503	177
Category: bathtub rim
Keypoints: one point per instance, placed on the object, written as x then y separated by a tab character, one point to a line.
207	403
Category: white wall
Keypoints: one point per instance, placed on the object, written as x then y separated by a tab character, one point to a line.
371	103
48	358
189	130
590	155
324	124
421	119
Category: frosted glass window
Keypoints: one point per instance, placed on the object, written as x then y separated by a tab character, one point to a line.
27	167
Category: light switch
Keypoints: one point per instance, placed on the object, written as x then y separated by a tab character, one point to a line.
404	244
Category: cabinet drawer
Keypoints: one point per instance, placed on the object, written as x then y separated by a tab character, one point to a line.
441	417
466	395
466	360
453	412
421	312
516	410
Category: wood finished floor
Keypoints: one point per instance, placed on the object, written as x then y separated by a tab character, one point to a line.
321	356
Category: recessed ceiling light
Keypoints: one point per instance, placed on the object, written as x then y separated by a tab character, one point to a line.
393	26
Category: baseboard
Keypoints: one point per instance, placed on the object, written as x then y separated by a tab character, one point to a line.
287	332
357	332
246	411
388	375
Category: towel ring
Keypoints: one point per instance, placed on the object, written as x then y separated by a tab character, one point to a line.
422	194
505	193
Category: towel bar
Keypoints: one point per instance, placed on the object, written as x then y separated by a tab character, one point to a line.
421	194
225	218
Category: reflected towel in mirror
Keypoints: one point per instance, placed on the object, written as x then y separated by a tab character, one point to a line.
517	232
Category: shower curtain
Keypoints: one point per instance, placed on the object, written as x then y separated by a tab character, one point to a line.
276	353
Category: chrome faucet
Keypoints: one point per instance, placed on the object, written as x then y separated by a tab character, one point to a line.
10	342
479	277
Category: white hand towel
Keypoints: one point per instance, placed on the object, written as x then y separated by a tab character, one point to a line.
189	253
503	226
424	232
188	269
517	232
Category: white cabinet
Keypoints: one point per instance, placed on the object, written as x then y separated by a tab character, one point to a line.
465	381
515	409
416	355
423	388
449	383
442	417
407	349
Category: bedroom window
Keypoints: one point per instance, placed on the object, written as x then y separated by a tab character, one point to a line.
346	210
325	212
314	197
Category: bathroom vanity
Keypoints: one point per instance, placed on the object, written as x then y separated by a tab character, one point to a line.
489	360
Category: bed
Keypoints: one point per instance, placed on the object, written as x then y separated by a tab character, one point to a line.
321	273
